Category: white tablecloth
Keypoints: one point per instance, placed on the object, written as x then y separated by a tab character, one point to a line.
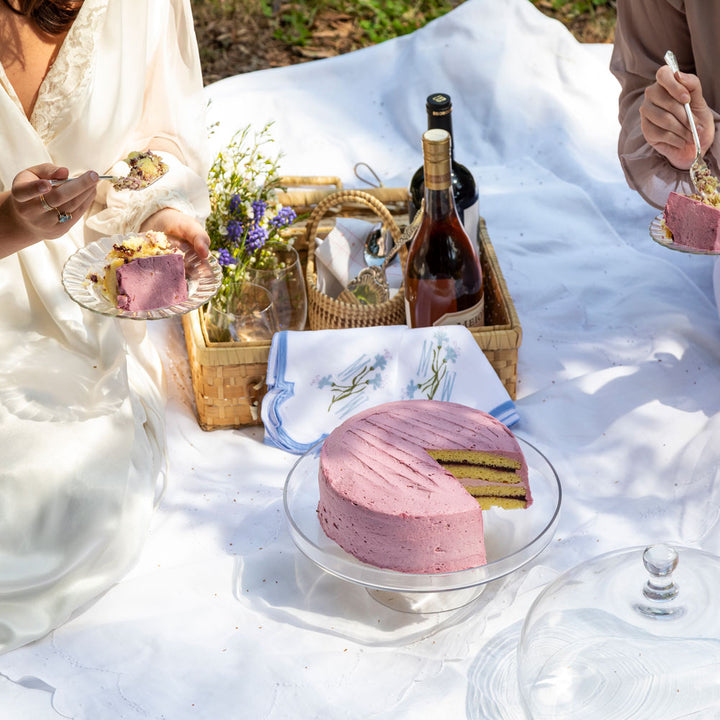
223	617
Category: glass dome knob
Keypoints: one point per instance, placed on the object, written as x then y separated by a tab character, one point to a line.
660	561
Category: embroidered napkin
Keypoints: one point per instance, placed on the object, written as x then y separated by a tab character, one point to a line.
339	257
318	378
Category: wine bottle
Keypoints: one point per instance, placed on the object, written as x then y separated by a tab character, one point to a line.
439	115
443	278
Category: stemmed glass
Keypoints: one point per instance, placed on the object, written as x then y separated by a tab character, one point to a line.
247	315
286	285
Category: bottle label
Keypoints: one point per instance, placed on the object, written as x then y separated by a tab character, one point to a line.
470	217
469	317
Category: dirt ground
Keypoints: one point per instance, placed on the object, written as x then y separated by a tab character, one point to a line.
241	42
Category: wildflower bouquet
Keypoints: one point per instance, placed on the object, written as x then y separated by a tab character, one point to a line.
244	211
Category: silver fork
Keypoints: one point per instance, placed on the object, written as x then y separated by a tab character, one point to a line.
55	183
699	171
113	178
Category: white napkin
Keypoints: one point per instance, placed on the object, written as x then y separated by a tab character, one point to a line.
339	257
317	378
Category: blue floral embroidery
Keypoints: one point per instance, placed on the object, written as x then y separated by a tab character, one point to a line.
434	378
349	388
410	390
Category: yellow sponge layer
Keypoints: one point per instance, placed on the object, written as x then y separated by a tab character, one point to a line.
491	479
507	503
473	457
479	472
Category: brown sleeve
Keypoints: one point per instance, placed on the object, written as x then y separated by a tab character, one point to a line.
645	30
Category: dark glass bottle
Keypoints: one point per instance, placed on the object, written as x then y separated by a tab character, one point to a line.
439	115
443	279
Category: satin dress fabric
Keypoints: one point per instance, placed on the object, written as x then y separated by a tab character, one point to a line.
82	447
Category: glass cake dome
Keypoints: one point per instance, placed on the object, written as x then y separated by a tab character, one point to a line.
630	635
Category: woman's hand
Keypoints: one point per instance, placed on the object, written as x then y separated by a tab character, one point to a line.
45	212
33	210
180	228
664	122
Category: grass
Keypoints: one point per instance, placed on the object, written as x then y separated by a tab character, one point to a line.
377	20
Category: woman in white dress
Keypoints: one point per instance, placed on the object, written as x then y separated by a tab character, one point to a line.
82	452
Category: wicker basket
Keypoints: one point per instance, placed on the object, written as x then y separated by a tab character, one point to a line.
327	313
501	335
229	378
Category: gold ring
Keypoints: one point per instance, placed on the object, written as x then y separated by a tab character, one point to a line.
61	216
47	205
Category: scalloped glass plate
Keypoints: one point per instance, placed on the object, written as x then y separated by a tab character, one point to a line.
203	279
659	233
512	537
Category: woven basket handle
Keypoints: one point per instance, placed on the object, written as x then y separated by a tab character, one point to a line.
345	196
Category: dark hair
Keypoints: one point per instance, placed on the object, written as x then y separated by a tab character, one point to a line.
51	16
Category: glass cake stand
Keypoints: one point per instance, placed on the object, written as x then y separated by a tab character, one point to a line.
512	539
659	234
203	280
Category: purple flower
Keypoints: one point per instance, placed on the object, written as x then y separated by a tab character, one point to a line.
235	231
255	239
258	208
225	258
235	204
284	217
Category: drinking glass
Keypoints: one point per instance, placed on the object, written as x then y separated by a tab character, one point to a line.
286	285
244	314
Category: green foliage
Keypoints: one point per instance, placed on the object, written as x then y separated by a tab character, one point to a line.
294	25
574	8
377	20
381	21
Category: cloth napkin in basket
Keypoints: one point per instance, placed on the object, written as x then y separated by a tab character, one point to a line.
318	378
339	257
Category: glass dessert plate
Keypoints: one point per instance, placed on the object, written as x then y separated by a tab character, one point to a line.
203	279
512	539
659	234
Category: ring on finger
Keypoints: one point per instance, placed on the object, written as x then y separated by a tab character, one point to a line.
61	216
47	205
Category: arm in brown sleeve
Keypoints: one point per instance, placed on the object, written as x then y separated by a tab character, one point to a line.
645	30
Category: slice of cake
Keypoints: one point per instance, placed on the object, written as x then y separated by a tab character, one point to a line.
145	169
395	484
692	222
144	272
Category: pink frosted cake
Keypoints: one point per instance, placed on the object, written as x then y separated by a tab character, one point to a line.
692	222
402	485
144	272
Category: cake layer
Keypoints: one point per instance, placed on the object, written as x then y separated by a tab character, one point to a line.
475	457
692	222
150	283
386	501
482	472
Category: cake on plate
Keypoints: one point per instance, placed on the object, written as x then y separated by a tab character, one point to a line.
402	485
145	168
692	222
144	272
